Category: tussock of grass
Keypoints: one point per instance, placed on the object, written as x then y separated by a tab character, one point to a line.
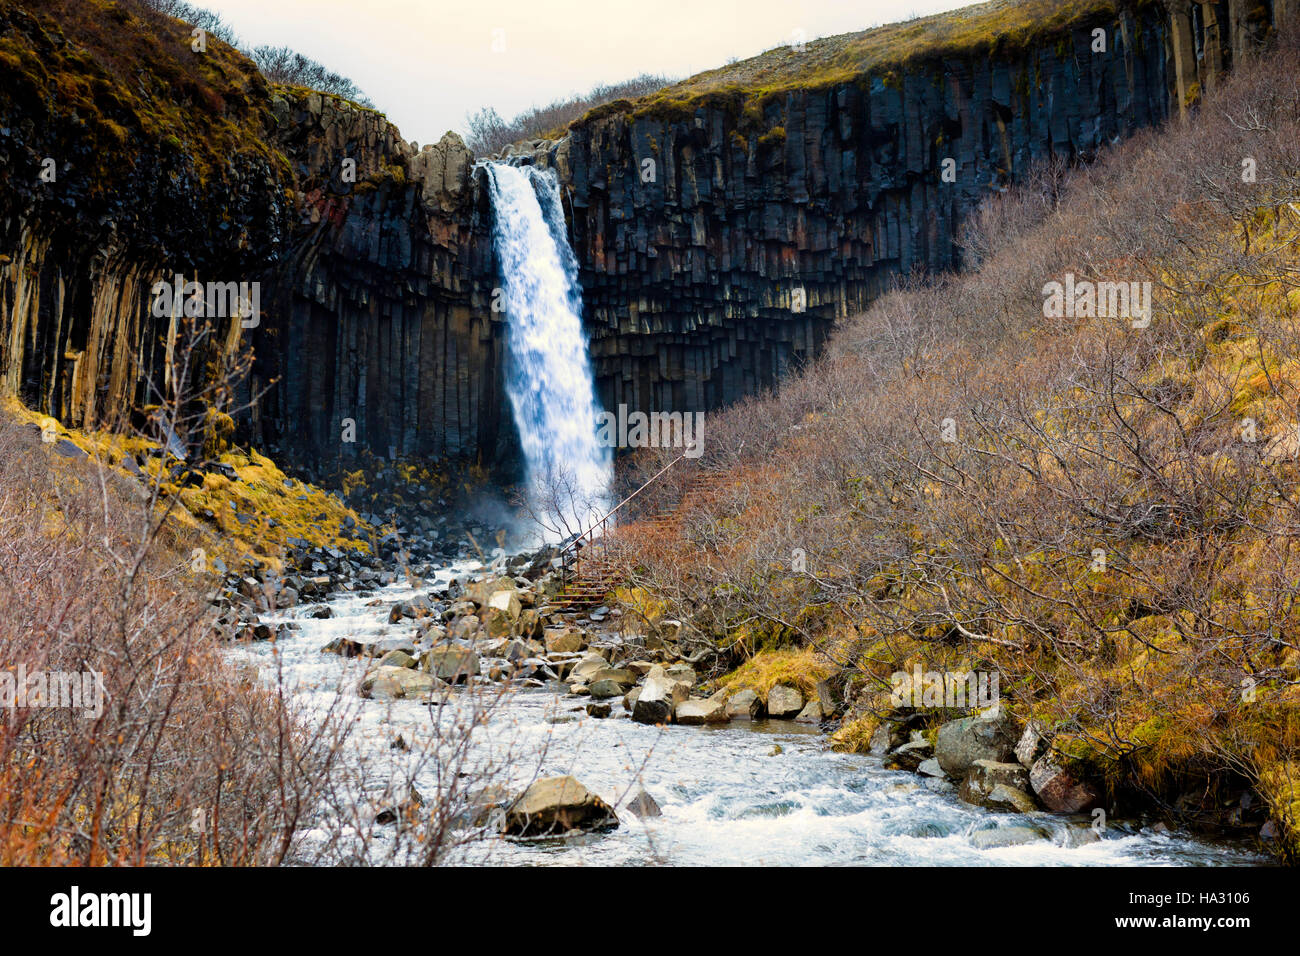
803	668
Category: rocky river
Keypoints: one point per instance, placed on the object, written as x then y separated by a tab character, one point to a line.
761	792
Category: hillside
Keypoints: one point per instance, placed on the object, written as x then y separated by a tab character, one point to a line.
1098	506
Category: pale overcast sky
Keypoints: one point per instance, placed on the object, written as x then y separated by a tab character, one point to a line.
427	63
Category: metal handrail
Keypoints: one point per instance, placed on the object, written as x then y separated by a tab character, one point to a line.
602	523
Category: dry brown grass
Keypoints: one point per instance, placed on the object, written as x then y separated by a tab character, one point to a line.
189	762
1072	437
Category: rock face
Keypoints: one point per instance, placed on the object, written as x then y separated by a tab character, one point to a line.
988	736
556	805
762	222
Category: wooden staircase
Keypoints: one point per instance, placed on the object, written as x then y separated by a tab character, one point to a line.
592	571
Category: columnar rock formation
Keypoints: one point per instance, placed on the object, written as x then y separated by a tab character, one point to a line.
719	238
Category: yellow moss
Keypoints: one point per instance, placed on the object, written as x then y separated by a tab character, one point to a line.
802	668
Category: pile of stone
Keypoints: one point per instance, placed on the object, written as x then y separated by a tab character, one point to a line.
990	759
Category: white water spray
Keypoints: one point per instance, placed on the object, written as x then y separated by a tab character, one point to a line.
548	378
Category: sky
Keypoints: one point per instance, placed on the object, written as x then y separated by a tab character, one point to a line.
427	63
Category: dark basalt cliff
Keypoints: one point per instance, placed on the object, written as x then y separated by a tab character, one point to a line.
693	279
719	237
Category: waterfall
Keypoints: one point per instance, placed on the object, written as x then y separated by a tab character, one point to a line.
548	375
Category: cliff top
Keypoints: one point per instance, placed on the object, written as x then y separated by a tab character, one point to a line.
996	26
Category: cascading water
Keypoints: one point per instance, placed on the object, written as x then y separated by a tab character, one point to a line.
548	378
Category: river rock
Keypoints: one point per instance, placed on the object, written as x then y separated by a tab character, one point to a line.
396	683
501	615
681	672
481	592
598	710
618	675
887	736
991	735
930	768
811	713
784	701
556	805
701	711
586	669
658	699
397	659
563	640
1059	790
1031	745
1006	836
985	776
911	755
745	705
603	689
451	663
644	806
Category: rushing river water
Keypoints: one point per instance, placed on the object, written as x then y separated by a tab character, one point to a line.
770	793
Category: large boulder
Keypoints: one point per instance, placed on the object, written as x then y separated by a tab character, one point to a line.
396	683
658	699
605	688
811	713
563	640
1006	836
700	710
997	786
911	755
784	701
585	671
991	735
480	592
1032	744
501	615
745	705
1059	790
556	805
451	662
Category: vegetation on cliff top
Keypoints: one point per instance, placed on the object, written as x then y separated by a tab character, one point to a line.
996	27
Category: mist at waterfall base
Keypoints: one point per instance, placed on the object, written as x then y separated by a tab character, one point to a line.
548	374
